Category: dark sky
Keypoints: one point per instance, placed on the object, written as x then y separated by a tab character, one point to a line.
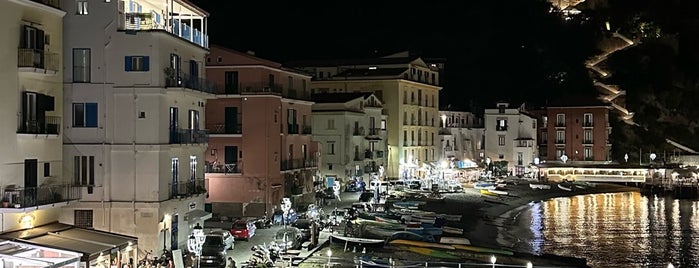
508	49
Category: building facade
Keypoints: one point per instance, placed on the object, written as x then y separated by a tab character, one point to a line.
134	136
261	142
581	133
352	130
510	136
409	90
461	136
33	188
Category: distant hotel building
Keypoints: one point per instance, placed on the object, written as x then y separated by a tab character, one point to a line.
461	135
261	147
510	135
408	87
353	129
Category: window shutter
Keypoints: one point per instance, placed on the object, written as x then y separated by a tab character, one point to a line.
39	40
146	63
127	63
90	114
23	37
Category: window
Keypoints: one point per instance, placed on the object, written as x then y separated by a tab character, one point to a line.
85	114
544	137
501	140
136	63
331	123
588	153
587	136
520	158
81	65
560	136
82	7
545	120
383	124
84	171
501	124
560	120
559	153
83	218
331	147
587	120
405	136
47	169
291	82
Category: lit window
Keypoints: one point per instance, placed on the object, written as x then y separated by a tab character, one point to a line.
82	7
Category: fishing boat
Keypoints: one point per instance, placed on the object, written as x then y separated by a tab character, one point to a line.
535	186
488	192
452	230
454	240
420	244
565	188
484	249
485	185
432	253
356	240
427	230
498	192
385	234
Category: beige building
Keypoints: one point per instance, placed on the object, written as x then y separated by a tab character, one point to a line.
409	89
352	130
461	136
510	135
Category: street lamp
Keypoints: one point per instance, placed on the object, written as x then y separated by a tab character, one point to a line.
195	241
669	265
487	163
330	254
444	120
493	260
530	265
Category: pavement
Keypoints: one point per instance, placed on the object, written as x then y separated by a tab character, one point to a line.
241	251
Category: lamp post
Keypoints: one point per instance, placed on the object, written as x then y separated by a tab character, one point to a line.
487	163
330	254
530	265
195	241
493	260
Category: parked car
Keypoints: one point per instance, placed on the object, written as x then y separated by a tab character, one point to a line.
227	237
243	229
288	238
213	253
304	225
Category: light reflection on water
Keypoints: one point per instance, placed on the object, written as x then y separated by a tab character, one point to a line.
613	230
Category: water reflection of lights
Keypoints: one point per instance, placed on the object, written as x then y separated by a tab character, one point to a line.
536	227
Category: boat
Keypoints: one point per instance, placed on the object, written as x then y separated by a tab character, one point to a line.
432	253
484	249
488	192
565	188
420	244
355	240
535	186
498	192
485	185
452	230
427	230
386	234
454	240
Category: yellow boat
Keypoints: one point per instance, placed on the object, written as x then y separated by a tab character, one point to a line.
484	250
432	253
487	192
420	244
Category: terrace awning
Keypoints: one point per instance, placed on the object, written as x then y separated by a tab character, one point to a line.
29	255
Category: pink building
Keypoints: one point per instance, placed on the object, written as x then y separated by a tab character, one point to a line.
260	148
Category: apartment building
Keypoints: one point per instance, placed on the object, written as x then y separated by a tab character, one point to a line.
409	89
134	136
261	148
352	130
510	138
461	137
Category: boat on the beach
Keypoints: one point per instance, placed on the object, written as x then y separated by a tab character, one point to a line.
488	192
452	230
432	252
485	185
566	188
484	249
536	186
355	240
454	240
421	244
498	192
386	234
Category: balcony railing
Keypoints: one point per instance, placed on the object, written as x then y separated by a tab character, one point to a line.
189	136
307	130
226	129
133	21
187	188
51	3
35	58
374	131
560	141
293	128
38	196
560	124
298	163
587	141
180	79
587	124
230	168
50	126
260	88
368	154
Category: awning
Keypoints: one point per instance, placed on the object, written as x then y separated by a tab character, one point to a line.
67	237
36	256
197	214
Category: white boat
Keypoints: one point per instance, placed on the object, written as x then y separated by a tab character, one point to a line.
485	185
498	192
356	240
564	188
452	230
454	240
539	186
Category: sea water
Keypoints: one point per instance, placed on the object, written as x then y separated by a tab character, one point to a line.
612	230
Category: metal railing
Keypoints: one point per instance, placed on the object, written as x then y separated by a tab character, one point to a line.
307	130
226	129
23	197
292	128
35	58
134	21
189	136
187	188
50	126
298	163
180	79
229	168
260	88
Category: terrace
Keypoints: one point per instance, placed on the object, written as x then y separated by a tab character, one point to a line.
177	17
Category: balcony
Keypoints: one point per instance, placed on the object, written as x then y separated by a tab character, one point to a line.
51	125
374	131
34	60
182	189
587	124
183	80
368	154
293	93
587	141
189	136
226	129
230	168
260	89
560	124
560	141
52	3
152	21
292	128
307	130
14	197
290	164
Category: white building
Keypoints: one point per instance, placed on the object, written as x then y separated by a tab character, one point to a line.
31	184
461	136
134	136
510	135
351	129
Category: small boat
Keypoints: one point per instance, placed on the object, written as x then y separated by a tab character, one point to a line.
539	186
488	192
484	250
432	253
498	192
452	230
485	185
565	188
355	240
454	240
379	233
420	244
428	230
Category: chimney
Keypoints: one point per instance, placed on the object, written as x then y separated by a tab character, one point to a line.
250	52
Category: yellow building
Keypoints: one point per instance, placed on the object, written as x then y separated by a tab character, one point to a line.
409	88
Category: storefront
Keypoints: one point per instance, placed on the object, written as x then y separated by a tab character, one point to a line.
24	255
97	248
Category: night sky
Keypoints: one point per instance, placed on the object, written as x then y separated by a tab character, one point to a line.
495	50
